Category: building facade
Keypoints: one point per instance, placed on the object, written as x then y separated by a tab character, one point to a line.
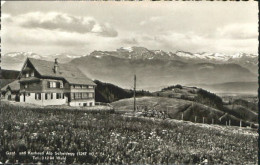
50	83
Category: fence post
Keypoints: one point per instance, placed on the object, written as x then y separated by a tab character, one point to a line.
229	122
226	123
167	112
203	120
182	116
240	123
195	119
212	121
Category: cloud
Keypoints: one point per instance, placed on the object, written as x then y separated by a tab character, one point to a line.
104	30
65	22
6	18
151	20
238	31
19	36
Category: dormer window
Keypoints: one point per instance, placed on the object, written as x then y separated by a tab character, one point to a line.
52	84
27	75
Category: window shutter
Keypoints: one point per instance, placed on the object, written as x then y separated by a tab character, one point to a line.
58	84
51	95
49	84
63	96
35	96
40	96
46	96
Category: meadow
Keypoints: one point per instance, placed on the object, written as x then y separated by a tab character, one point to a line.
114	139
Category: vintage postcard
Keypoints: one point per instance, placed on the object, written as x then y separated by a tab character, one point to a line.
120	82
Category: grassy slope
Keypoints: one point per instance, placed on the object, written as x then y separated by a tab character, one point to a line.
178	106
242	109
113	139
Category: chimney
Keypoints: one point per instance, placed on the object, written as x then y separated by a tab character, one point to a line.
56	66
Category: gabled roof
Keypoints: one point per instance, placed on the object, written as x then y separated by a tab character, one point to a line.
65	71
14	86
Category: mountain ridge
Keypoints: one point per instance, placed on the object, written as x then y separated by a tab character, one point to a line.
244	59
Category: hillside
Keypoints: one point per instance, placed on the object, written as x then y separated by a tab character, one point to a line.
193	94
7	76
175	108
106	92
238	108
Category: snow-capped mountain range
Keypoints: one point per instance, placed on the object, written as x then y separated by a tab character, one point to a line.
249	61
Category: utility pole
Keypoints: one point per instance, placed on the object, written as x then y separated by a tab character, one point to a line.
134	92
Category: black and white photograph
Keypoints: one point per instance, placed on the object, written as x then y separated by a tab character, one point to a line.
129	82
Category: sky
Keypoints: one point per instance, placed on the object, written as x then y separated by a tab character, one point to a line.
80	27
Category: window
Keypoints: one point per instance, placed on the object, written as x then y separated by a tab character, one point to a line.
52	84
84	104
48	96
84	95
90	95
32	73
80	95
84	86
90	86
77	95
27	75
25	86
61	84
59	95
27	94
77	86
37	96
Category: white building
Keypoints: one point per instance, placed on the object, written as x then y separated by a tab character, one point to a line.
49	83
